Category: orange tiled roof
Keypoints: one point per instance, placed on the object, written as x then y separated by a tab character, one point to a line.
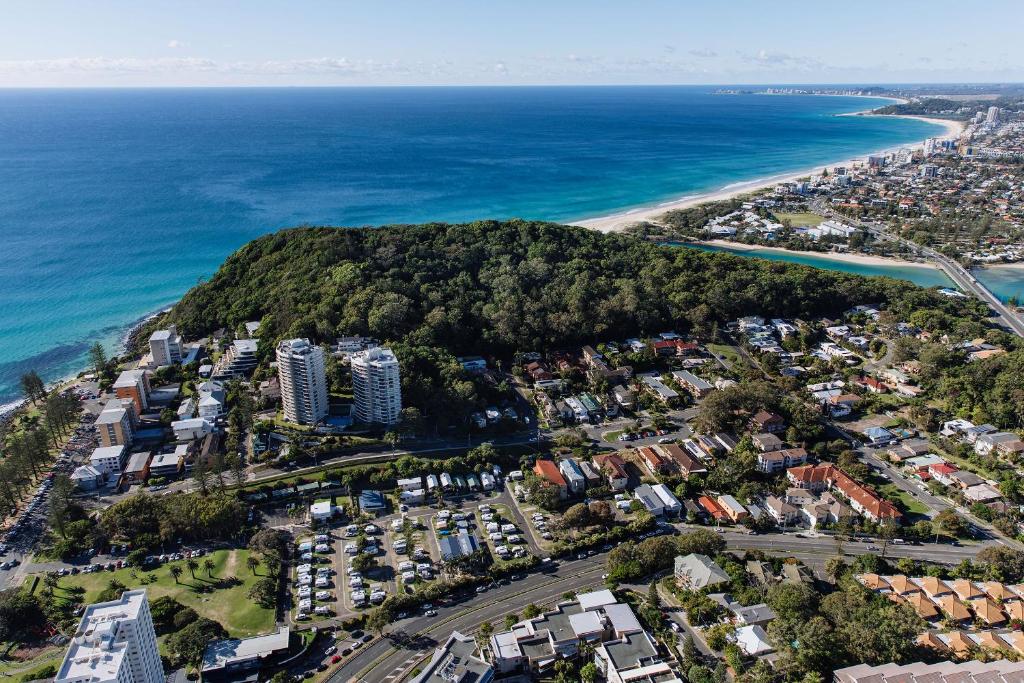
953	608
922	605
988	611
990	641
959	643
965	589
873	581
996	590
930	639
1015	640
1014	609
900	584
932	586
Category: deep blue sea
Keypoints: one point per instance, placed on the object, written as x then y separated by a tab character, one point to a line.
114	202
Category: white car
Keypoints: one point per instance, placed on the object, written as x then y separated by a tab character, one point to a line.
370	529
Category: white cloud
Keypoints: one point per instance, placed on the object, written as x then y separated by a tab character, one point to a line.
704	53
174	44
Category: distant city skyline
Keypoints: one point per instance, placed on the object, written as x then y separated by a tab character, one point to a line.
462	42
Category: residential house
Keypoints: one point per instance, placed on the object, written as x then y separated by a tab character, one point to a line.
614	470
548	471
695	385
732	507
765	421
716	511
782	512
652	460
776	461
697	572
765	442
671	505
681	459
650	500
573	476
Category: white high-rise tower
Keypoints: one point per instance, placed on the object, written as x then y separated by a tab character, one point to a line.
115	643
376	386
300	368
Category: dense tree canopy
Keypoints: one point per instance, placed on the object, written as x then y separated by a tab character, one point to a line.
504	286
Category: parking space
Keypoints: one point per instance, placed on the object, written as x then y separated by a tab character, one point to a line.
498	529
315	576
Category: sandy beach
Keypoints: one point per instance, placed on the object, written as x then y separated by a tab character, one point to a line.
863	259
622	220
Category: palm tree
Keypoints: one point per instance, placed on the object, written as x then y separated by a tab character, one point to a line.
176	572
252	562
208	565
192	566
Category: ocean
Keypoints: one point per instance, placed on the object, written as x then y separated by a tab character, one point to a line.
115	202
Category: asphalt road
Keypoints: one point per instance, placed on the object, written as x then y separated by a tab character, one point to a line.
410	640
387	660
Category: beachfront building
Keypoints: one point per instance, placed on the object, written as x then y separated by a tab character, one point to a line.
109	460
376	386
114	426
115	643
165	346
134	385
300	368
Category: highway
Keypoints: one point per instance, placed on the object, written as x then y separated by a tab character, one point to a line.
391	658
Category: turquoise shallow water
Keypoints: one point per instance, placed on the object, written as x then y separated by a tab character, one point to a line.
922	276
1005	282
114	202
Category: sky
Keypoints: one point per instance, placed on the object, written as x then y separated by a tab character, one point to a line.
76	43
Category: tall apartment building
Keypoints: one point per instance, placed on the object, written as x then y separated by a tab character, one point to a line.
376	386
165	346
115	643
115	425
300	369
134	384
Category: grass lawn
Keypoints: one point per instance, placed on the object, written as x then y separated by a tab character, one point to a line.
727	352
230	606
911	504
801	220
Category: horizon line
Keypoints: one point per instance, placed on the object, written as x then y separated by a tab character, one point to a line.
338	86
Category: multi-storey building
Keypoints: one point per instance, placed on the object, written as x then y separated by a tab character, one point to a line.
134	385
114	426
115	643
377	386
300	369
165	346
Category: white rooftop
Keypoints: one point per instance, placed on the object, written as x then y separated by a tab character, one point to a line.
595	599
92	654
107	452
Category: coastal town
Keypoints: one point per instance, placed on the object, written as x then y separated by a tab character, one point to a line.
959	195
681	505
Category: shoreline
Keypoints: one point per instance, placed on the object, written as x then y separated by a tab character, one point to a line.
619	221
862	259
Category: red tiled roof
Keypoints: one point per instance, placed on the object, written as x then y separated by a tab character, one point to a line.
545	469
613	463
